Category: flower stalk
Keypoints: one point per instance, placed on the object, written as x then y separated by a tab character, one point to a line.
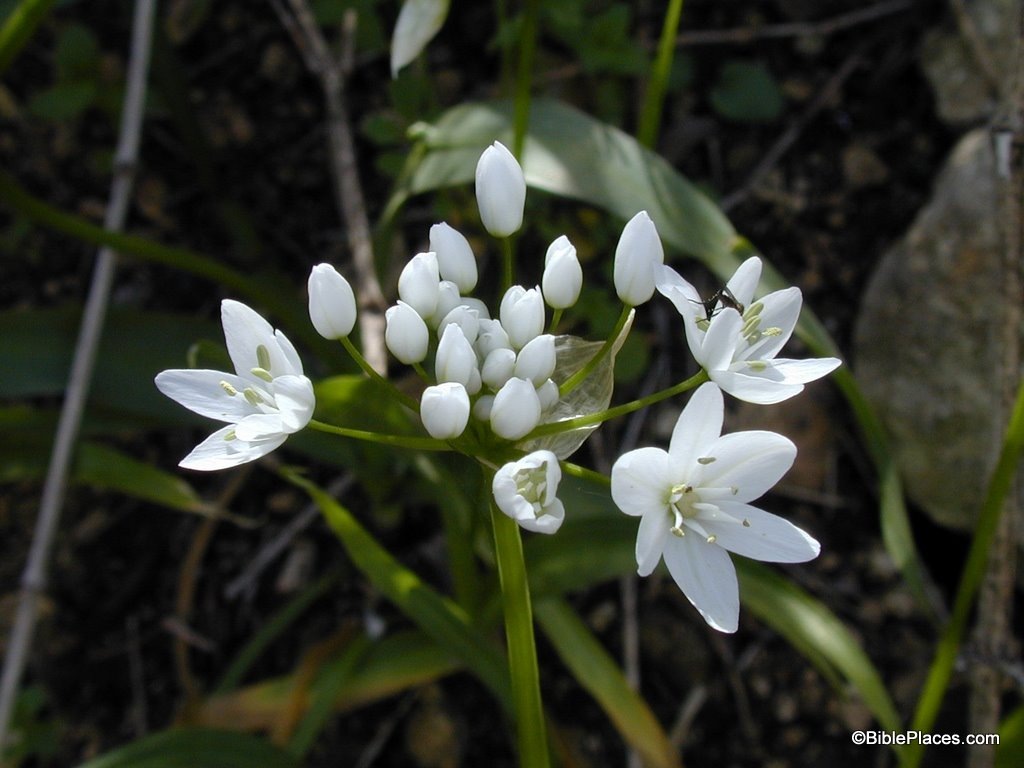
522	649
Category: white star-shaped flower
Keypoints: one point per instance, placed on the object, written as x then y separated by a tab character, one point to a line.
525	491
267	399
738	343
693	504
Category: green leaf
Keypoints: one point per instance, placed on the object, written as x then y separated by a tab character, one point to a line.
747	92
77	54
816	632
106	468
196	748
1010	752
63	101
435	614
597	672
19	27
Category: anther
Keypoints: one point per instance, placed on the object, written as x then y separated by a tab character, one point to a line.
228	388
757	365
746	523
261	373
263	357
706	460
252	396
712	539
229	436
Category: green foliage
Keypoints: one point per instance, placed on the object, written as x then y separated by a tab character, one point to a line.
196	748
33	733
746	92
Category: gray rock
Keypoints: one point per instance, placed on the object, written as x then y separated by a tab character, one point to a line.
928	344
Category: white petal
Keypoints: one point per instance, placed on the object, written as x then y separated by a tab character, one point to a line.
781	310
418	22
641	481
292	362
678	290
549	520
201	391
245	331
754	387
760	535
707	577
650	540
698	427
259	426
803	371
295	400
744	280
217	453
720	341
749	463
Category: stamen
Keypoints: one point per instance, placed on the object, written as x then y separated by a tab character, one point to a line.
754	309
263	357
261	373
228	388
749	328
252	396
230	435
746	523
757	365
772	331
706	460
677	529
712	539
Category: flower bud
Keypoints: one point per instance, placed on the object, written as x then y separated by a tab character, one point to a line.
498	368
536	360
444	410
455	360
418	283
454	256
467	318
482	407
332	305
516	410
525	490
447	299
418	22
500	190
637	258
522	314
548	395
491	337
563	275
406	334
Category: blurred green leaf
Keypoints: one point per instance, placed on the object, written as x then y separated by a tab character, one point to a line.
746	92
1010	752
64	101
19	24
598	673
76	55
437	615
196	748
815	631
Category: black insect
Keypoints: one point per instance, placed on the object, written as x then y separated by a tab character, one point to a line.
724	297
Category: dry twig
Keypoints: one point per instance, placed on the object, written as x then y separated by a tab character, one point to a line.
33	580
333	73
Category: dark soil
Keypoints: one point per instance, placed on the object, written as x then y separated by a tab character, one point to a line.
852	181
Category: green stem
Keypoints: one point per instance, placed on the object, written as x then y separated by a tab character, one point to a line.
524	78
522	650
19	27
556	318
974	572
573	381
567	425
398	441
575	470
508	263
654	101
406	400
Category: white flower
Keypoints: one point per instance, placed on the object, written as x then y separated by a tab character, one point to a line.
264	401
406	334
418	22
693	506
637	257
738	344
500	190
516	409
525	491
563	275
444	410
454	256
332	304
522	314
419	283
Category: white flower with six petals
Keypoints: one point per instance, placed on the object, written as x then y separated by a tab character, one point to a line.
267	399
693	504
737	345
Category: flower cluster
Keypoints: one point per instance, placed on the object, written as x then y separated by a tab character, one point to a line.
490	381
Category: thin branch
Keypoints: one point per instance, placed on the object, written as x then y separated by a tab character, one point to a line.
33	580
333	72
785	142
823	28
